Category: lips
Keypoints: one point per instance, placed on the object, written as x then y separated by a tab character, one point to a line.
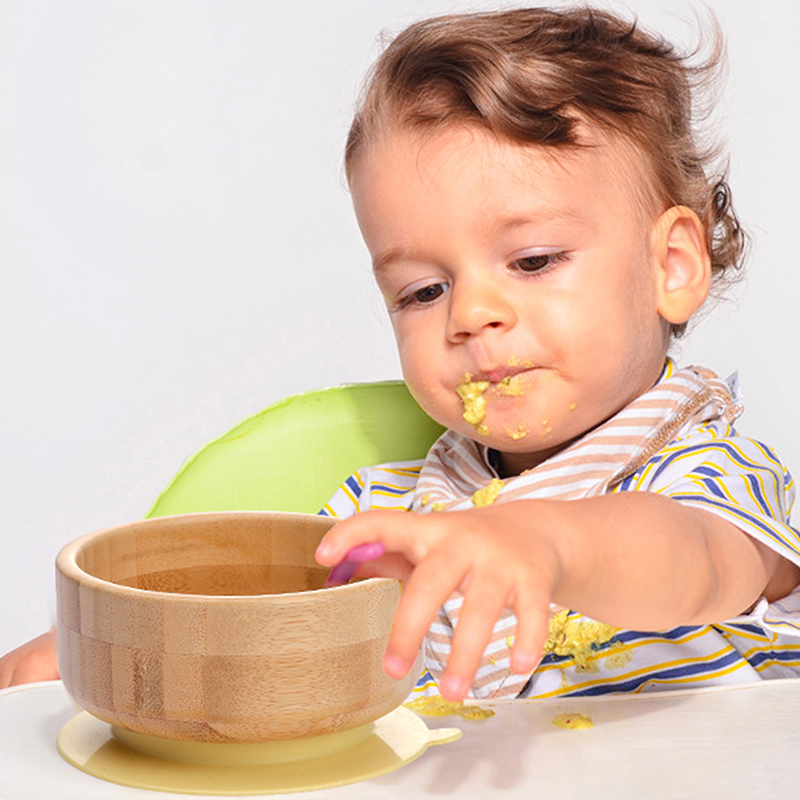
498	374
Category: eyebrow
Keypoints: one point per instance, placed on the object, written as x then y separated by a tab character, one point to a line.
502	225
387	258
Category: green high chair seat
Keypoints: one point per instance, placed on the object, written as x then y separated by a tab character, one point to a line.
294	454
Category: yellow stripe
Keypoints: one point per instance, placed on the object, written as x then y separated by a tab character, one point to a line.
768	648
349	492
742	634
623	676
693	678
629	647
775	662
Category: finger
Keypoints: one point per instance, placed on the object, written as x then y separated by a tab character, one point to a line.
428	587
483	604
392	565
533	626
391	528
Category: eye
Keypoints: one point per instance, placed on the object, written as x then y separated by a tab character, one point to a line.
423	296
429	293
538	263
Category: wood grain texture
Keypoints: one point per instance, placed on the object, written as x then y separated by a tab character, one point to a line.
215	627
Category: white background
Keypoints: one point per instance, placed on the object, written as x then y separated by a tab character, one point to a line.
177	248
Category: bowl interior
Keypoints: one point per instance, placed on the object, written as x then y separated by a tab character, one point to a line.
214	554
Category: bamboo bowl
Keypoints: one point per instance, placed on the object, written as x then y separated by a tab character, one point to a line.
215	627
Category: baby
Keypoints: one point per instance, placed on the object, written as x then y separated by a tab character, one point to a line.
542	220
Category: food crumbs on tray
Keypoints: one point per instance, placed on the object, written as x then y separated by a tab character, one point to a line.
437	706
488	494
575	722
472	396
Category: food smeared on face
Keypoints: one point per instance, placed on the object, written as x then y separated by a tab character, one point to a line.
511	386
472	394
518	432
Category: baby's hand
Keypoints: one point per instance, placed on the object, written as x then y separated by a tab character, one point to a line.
36	660
476	552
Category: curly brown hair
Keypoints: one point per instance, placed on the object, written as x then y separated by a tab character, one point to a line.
532	74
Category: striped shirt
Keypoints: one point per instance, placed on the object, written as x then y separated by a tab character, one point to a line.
707	465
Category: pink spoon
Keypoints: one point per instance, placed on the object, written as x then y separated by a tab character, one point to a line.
344	570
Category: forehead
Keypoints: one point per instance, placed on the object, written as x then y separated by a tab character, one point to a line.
408	176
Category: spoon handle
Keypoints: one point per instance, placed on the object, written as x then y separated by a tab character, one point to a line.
344	570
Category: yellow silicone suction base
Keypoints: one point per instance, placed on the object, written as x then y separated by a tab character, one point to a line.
147	762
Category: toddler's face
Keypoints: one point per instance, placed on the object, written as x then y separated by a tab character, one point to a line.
523	273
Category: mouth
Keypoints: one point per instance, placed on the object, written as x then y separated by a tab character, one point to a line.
498	376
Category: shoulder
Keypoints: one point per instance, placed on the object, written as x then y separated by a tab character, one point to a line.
711	450
740	479
388	486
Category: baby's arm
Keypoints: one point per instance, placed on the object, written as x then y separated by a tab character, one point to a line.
634	560
36	660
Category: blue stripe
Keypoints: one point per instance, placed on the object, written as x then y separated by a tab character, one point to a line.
426	677
738	512
354	485
398	491
774	655
670	635
704	469
625	637
728	449
756	485
711	485
745	627
672	673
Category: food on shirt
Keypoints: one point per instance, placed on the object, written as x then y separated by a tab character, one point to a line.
576	722
474	400
488	494
437	706
436	505
577	637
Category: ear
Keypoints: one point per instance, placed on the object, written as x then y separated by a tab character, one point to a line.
682	264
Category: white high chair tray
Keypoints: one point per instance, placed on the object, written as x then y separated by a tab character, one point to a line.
719	743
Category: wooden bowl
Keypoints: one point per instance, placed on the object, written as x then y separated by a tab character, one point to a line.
215	627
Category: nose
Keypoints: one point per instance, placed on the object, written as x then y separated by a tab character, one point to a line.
478	305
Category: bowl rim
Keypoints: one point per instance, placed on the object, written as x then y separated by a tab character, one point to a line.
67	566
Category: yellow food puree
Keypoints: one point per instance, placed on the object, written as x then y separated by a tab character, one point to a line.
574	721
575	637
437	706
472	396
488	494
511	386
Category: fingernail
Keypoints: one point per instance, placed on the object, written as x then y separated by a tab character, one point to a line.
395	667
522	663
322	549
453	687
